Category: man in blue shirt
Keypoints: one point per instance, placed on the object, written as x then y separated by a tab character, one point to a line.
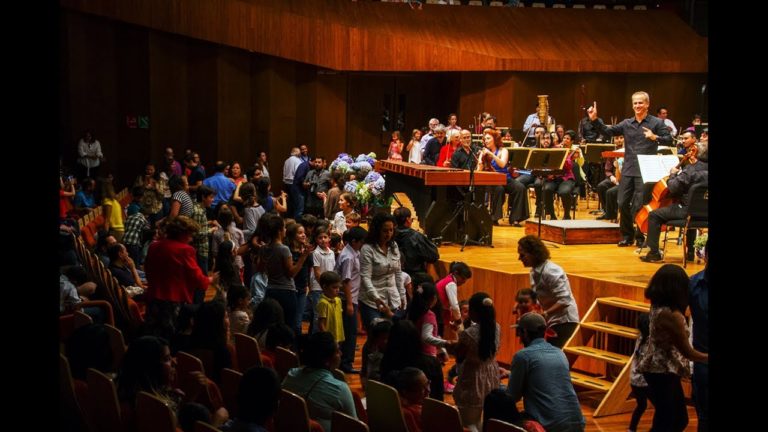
223	186
540	375
699	304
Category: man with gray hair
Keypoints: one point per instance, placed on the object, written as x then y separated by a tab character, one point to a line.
295	197
432	149
433	123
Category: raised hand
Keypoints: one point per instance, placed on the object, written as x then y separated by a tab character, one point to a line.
592	111
649	134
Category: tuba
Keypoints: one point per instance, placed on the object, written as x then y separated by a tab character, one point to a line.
542	111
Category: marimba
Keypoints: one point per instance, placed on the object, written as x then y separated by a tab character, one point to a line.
435	196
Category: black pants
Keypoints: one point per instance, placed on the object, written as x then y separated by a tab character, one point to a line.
658	217
564	332
612	202
601	189
700	383
630	201
518	201
666	394
641	396
563	189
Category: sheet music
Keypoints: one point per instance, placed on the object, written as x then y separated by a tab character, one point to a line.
655	167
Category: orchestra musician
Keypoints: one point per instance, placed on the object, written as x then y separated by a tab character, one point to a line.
563	184
495	158
643	133
679	183
608	189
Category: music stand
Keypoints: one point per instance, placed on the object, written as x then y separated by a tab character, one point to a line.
593	155
518	157
542	163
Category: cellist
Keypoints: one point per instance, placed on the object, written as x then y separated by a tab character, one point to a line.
679	183
643	133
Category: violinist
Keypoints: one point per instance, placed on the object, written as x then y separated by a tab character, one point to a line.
495	158
643	133
679	183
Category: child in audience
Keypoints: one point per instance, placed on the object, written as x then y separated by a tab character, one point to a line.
526	302
373	351
348	267
268	312
278	335
137	193
238	304
323	260
424	298
448	292
408	284
413	387
296	240
353	220
346	207
336	244
328	308
636	379
133	239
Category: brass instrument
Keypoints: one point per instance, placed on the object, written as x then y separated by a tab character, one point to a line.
542	111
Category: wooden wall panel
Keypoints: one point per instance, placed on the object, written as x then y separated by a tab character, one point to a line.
202	109
374	36
234	107
331	114
92	81
169	122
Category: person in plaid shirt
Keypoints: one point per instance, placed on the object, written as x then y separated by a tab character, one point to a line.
201	240
135	226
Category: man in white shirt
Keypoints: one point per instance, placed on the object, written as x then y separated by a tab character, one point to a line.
433	124
662	113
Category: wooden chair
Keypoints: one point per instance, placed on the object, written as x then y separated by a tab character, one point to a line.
117	345
71	413
341	422
362	413
384	412
285	360
496	425
340	375
292	413
437	416
230	383
80	319
187	363
153	414
103	406
697	217
248	352
205	427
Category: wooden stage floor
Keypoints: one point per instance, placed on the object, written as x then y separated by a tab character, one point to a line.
593	270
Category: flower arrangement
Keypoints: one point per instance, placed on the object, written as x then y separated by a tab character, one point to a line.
366	184
699	244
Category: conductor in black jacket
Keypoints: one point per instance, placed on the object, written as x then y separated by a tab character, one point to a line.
643	133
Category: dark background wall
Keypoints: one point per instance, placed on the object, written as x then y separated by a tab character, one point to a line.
228	103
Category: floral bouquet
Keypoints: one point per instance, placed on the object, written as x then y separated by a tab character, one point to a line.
367	185
699	245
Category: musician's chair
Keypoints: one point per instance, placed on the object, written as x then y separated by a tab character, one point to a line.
698	217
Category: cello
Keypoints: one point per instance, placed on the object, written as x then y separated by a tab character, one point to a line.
660	195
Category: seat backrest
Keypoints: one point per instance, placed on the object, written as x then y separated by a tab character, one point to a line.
292	414
153	414
103	406
81	319
285	360
185	364
341	422
248	352
438	416
339	375
496	425
698	202
117	345
230	383
71	414
205	427
384	412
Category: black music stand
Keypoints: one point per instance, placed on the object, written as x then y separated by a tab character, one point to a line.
593	154
468	210
518	157
542	163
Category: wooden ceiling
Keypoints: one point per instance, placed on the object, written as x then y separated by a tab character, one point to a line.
391	37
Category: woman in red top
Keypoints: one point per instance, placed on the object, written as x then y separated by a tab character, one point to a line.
446	152
172	275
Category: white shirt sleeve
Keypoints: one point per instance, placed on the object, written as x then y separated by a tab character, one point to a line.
426	336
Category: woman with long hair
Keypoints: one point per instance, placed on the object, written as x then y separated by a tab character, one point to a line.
381	283
496	158
668	350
